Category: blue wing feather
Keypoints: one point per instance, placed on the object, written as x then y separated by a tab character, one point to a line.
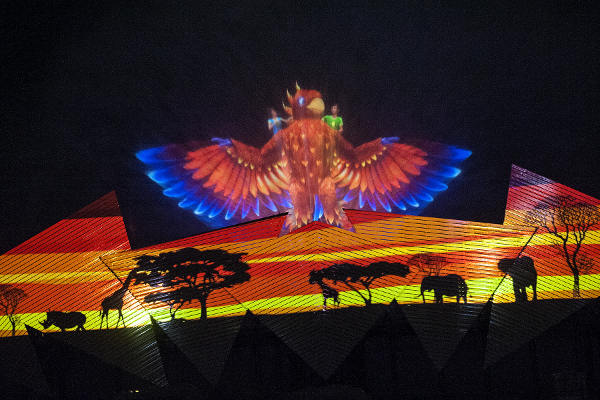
166	167
412	197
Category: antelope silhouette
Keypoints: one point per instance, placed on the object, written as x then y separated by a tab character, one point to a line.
115	302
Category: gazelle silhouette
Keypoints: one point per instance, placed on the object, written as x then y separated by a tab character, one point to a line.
115	302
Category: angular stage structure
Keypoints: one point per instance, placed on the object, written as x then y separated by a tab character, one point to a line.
321	298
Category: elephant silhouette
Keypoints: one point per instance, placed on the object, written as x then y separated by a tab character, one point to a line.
523	274
448	285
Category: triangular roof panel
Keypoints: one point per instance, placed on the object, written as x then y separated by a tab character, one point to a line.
60	269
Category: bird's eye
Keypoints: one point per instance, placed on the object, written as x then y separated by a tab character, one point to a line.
301	101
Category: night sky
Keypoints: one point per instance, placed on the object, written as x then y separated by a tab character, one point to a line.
85	86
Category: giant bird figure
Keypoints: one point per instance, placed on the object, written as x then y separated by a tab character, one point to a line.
307	169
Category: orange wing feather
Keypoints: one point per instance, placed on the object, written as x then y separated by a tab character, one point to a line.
226	173
377	168
237	186
207	167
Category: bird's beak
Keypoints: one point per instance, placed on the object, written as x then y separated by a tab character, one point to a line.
316	106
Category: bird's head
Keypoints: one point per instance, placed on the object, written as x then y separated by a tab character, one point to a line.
305	104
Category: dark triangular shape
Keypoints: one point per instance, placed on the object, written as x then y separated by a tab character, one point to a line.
323	339
260	365
131	349
441	327
399	324
371	363
179	369
74	373
205	343
464	374
413	369
475	337
19	364
513	324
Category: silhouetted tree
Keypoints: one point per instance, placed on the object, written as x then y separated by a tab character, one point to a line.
431	264
585	263
350	274
190	274
10	297
569	220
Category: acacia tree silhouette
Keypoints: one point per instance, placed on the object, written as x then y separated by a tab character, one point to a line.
191	274
569	220
349	274
431	264
10	297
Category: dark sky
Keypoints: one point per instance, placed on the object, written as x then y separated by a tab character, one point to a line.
85	86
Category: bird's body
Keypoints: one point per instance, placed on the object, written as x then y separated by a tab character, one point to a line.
307	170
309	156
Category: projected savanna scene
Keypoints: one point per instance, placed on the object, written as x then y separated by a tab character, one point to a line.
337	234
547	249
299	200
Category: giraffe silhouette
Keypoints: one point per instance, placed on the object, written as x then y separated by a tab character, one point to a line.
316	277
328	293
115	302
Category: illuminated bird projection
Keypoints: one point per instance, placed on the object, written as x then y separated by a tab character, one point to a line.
307	170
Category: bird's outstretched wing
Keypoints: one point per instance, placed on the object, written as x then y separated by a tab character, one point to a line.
223	183
384	175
